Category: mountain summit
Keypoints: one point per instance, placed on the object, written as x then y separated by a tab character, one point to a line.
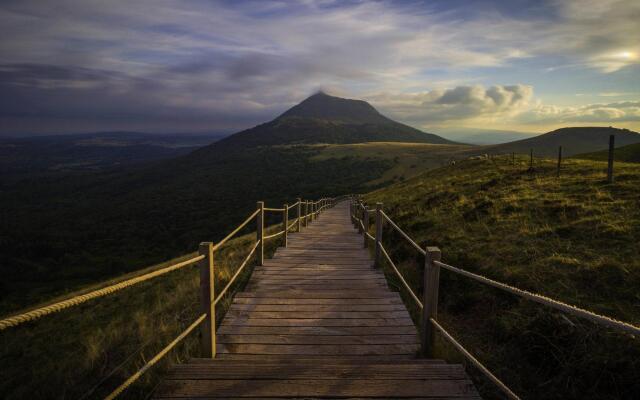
322	118
331	108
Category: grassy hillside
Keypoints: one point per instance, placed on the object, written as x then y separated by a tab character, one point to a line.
628	153
575	238
86	351
406	160
573	141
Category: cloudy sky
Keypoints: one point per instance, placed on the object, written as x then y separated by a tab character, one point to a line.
220	66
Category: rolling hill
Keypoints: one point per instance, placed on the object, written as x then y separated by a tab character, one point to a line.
573	140
628	153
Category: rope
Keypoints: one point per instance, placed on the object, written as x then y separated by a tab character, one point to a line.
242	225
406	285
474	361
579	312
233	278
292	224
274	235
37	313
400	231
155	359
274	209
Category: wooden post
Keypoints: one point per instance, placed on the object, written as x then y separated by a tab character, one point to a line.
365	219
359	214
260	232
431	283
612	140
531	159
207	297
378	234
306	213
559	160
285	222
299	214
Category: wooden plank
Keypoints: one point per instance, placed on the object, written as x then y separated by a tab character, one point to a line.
316	301
318	321
318	314
319	349
322	294
316	330
276	370
318	339
380	388
317	307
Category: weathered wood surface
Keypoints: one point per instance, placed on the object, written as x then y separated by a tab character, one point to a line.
318	321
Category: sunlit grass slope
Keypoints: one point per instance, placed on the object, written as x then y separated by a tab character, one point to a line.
574	238
86	351
405	160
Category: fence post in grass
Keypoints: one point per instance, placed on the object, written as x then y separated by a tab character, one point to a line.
207	296
612	139
378	234
285	222
365	222
431	283
299	214
260	232
559	160
531	159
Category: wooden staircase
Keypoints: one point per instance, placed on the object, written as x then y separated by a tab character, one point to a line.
318	321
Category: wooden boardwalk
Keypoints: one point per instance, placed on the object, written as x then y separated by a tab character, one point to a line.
317	321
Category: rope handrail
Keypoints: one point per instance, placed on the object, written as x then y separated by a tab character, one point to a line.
430	316
240	268
295	221
474	361
61	305
155	359
404	282
274	209
401	232
293	205
242	225
547	301
274	235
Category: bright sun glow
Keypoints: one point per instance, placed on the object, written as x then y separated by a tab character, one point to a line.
626	55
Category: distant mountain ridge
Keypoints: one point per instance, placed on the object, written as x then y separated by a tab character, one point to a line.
322	118
574	140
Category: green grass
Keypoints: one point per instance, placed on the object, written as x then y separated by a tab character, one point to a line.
88	350
574	238
405	160
628	153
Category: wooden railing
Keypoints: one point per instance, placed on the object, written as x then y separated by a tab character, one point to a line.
428	305
306	211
